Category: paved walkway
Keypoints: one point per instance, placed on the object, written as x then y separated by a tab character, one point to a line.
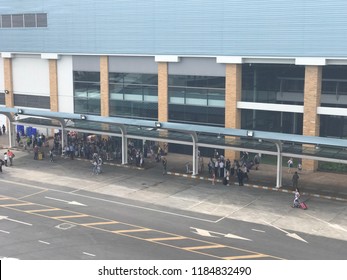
317	184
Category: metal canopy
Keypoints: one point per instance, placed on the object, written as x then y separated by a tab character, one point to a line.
272	143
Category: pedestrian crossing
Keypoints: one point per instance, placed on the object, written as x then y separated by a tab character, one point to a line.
189	244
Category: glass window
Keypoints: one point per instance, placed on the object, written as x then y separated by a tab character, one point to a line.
29	20
134	95
87	92
6	21
41	20
17	21
196	99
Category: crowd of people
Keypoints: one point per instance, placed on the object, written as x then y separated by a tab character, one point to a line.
219	167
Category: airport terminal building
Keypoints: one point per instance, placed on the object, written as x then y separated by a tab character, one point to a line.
271	65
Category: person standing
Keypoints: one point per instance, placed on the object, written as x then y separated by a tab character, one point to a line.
240	176
164	162
295	179
290	165
10	155
3	129
36	152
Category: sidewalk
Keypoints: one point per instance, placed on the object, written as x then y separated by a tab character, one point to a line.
316	184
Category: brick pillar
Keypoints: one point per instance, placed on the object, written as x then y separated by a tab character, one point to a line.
104	87
104	90
9	98
312	95
53	85
233	90
163	104
163	97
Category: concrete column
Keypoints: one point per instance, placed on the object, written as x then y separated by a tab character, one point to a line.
312	96
233	90
53	85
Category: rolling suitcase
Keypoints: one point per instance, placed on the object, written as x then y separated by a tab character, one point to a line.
303	205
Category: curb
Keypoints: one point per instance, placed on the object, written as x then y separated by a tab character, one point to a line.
258	187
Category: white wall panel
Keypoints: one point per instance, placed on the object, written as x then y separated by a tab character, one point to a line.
65	84
30	75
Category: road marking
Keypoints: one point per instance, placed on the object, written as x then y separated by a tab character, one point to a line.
293	235
70	216
132	230
16	204
33	194
166	238
330	224
207	233
89	254
245	257
12	220
42	210
44	242
258	230
114	202
100	223
204	247
66	201
4	231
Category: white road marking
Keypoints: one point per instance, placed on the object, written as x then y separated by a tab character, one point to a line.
205	232
116	202
293	235
32	194
12	220
330	224
4	231
44	242
89	254
66	201
258	230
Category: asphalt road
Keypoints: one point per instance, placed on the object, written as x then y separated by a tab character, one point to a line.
55	222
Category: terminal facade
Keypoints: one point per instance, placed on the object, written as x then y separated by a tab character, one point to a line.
277	67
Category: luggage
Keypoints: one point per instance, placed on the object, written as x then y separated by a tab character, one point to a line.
303	205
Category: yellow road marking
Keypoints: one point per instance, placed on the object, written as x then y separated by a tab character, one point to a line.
71	216
204	247
246	257
43	210
16	204
100	223
166	238
132	230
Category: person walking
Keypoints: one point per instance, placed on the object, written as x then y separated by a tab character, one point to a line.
296	202
295	179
